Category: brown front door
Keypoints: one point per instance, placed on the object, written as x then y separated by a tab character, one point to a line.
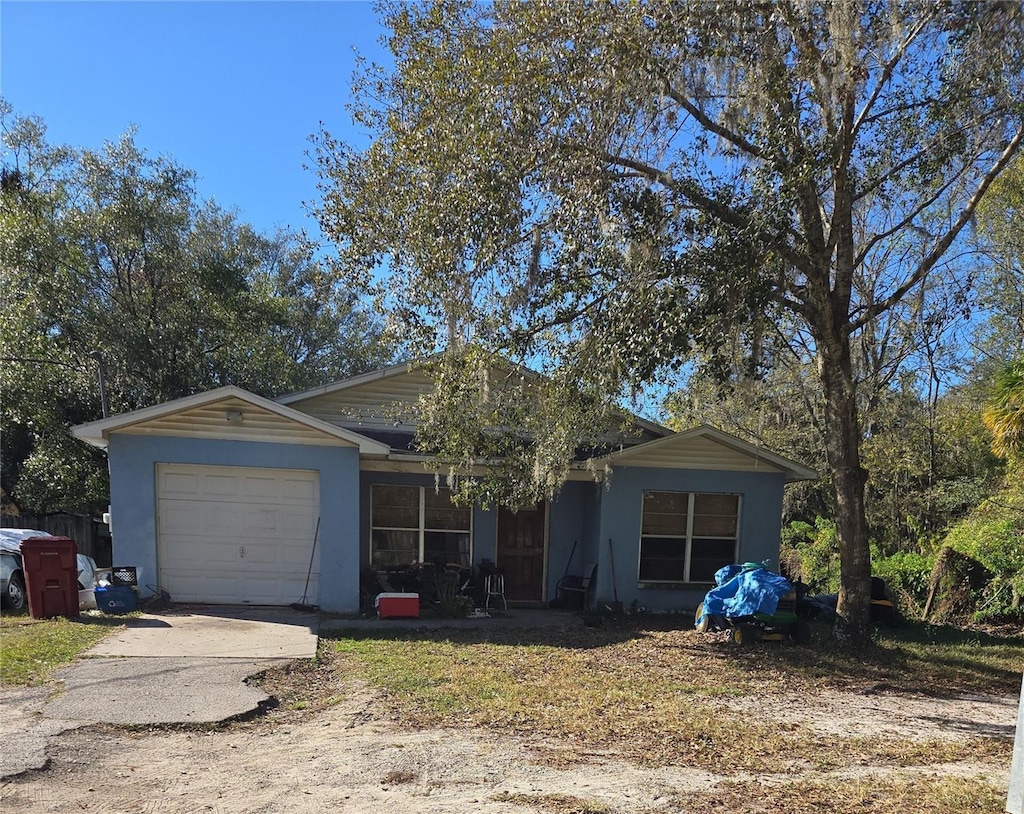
521	552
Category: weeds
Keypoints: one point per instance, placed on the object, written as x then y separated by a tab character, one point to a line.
31	649
660	697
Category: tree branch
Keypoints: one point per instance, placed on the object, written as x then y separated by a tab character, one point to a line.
711	125
887	71
942	245
925	149
902	224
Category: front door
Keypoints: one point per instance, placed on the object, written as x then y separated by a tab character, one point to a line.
520	552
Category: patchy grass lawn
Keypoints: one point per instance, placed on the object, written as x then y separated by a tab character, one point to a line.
30	649
874	793
666	696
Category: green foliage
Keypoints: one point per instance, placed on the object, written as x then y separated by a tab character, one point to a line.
908	576
618	188
811	554
1004	415
477	395
1000	335
110	261
62	474
993	534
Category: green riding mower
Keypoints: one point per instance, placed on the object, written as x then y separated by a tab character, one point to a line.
783	625
754	605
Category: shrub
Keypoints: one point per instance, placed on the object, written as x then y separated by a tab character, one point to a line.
993	534
908	575
811	554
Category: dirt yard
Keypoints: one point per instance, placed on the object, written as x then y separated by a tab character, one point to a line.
347	757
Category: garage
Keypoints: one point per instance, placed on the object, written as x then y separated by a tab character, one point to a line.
235	534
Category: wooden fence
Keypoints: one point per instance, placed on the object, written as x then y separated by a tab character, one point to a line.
92	536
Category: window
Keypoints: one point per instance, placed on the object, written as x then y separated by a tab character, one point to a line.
686	537
416	524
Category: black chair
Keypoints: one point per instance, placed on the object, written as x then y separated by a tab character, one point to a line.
578	586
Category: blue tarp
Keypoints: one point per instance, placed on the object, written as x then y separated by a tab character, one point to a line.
744	591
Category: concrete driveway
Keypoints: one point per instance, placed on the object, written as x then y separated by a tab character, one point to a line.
212	632
185	665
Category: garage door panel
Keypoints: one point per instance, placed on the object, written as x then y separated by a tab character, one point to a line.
222	519
291	557
296	523
236	534
299	491
262	522
181	518
220	486
217	555
181	484
219	589
261	555
260	488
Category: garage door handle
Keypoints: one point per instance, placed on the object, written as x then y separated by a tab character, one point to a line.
241	551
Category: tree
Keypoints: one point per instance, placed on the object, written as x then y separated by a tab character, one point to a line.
110	261
609	188
1004	415
999	337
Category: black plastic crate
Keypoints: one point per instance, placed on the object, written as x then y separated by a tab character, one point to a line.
124	575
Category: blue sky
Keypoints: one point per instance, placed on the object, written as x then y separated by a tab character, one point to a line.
231	90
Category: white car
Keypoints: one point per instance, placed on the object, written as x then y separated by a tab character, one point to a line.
12	574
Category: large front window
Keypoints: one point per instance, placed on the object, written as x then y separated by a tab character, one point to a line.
417	524
686	537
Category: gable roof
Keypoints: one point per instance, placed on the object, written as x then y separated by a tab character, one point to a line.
706	447
385	386
273	421
346	384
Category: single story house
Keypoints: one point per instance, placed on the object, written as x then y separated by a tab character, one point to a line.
229	497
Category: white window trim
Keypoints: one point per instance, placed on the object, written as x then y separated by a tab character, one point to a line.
688	539
422	518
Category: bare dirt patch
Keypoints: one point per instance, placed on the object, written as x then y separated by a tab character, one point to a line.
346	756
845	740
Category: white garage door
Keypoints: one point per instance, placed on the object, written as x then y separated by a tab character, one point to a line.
232	534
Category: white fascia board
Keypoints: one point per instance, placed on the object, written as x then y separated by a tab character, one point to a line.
97	432
354	381
793	470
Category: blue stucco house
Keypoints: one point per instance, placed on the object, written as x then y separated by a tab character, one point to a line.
228	497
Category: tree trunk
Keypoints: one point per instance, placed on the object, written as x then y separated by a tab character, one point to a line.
842	446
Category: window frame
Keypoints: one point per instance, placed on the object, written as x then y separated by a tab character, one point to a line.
421	530
687	538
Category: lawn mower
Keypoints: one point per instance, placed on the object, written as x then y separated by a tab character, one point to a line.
753	604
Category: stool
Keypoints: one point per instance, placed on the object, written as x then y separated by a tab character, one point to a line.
494	585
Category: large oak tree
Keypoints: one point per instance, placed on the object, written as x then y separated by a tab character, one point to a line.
606	188
109	258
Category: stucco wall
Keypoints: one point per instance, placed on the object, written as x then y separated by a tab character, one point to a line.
133	460
621	509
572	519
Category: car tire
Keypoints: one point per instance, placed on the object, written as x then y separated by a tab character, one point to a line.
15	597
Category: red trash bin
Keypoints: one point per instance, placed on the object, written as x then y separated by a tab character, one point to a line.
51	576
